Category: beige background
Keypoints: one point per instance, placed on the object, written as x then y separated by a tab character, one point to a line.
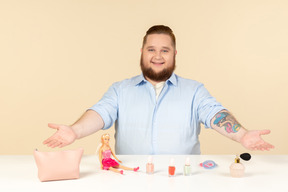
59	57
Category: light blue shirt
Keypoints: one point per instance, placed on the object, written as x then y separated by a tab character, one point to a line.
170	125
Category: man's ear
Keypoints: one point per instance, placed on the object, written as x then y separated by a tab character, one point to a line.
175	52
141	50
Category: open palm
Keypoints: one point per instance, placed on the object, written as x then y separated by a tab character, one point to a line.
252	140
63	136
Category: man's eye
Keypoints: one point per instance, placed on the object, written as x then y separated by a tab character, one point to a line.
150	49
165	51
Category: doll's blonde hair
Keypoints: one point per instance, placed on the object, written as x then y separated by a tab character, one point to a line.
100	146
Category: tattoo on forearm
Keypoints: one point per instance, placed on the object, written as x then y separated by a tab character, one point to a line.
224	119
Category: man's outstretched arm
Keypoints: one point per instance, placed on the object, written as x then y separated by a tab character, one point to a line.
88	123
226	124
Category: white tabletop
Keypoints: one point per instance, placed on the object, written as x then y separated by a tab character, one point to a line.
263	173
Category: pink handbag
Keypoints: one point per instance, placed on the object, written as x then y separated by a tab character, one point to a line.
59	165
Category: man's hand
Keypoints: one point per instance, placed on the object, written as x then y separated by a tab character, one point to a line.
63	136
252	140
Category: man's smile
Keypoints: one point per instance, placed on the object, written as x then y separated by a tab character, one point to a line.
157	63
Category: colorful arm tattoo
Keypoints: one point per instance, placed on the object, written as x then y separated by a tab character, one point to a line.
224	119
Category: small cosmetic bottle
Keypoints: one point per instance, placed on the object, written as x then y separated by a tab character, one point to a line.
171	168
150	166
187	167
237	169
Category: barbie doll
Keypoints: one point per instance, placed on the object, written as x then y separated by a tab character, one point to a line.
107	163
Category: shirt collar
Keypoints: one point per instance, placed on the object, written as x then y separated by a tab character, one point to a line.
140	79
173	79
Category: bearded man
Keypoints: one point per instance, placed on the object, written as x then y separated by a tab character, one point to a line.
158	112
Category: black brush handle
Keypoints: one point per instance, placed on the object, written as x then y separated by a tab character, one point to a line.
245	156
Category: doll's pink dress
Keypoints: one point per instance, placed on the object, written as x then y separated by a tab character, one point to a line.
107	161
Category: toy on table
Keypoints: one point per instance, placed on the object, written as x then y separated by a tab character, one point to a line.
237	169
107	163
209	164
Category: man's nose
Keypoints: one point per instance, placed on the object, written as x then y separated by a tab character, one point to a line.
158	55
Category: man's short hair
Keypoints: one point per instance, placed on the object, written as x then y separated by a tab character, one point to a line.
160	29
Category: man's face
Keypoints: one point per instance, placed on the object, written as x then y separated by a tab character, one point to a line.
158	57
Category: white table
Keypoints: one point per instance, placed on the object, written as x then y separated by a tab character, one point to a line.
263	173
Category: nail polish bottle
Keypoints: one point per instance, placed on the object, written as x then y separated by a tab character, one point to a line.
187	167
171	168
237	169
150	166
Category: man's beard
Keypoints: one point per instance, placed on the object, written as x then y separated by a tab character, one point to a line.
160	76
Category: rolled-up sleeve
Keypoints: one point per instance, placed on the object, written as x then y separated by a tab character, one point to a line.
107	107
207	106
